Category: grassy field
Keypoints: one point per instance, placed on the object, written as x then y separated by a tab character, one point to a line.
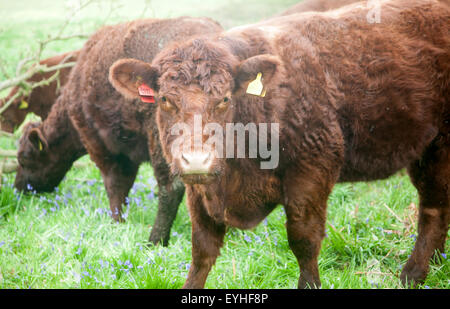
66	239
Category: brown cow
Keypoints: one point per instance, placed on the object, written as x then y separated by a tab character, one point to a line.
317	6
354	100
118	134
41	99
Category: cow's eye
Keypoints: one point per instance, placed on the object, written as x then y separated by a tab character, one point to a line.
223	105
167	106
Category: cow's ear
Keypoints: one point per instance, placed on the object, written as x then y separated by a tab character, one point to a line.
127	75
255	74
37	139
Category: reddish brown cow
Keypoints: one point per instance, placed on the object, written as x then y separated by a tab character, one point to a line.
41	99
354	100
118	134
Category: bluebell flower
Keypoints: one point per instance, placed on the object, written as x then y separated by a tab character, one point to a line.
128	264
86	211
247	238
151	195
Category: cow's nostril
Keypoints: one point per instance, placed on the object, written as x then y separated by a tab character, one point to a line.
184	158
208	158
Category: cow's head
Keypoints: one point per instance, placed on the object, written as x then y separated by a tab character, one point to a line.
14	115
42	166
198	82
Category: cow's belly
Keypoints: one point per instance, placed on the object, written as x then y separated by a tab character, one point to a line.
378	148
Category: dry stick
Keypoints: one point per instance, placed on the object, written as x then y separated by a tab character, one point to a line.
6	134
392	212
372	273
9	168
38	68
8	153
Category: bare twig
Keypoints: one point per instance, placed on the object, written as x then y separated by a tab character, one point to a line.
6	134
392	212
372	273
8	153
38	68
9	167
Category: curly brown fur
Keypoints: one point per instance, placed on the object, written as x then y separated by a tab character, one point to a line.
355	101
117	133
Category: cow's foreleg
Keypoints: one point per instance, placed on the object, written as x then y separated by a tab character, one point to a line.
306	197
207	238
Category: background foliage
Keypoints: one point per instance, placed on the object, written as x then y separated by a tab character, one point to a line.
66	239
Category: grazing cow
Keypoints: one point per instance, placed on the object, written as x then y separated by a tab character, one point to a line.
119	134
40	99
353	100
317	6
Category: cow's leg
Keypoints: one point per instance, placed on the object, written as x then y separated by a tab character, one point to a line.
170	196
170	192
306	197
118	177
207	238
431	177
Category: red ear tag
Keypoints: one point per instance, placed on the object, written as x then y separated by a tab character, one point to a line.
146	93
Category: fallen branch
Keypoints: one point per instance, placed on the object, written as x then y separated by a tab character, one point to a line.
372	273
36	69
392	212
10	167
6	134
8	153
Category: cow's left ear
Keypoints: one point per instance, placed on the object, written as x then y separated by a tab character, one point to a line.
127	75
256	72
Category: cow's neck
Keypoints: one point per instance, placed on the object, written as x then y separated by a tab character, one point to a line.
59	132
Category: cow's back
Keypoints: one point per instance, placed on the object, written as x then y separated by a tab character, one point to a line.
387	83
120	125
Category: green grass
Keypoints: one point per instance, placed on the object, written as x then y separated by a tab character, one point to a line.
66	239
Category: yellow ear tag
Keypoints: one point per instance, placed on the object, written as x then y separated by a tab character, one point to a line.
256	87
40	146
23	105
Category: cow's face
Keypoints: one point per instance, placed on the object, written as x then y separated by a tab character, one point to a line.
39	169
14	115
197	87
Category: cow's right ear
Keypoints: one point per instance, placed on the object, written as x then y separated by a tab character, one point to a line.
127	75
255	74
37	139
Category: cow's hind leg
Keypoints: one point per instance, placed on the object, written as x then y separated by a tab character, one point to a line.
431	177
170	196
